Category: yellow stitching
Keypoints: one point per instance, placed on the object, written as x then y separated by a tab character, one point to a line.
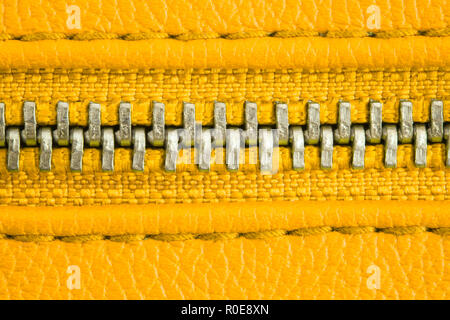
399	231
355	230
97	35
442	231
221	236
311	231
172	237
127	237
264	234
82	238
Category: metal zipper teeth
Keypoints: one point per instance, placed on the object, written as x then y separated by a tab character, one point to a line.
233	140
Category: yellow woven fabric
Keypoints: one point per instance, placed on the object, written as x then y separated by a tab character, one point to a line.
202	86
29	186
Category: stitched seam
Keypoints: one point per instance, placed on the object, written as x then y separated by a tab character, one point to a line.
95	35
218	236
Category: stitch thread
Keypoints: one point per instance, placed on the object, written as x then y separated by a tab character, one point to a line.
221	236
97	35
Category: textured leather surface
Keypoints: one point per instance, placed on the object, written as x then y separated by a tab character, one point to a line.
175	17
324	265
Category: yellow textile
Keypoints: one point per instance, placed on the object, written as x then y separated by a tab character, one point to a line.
29	186
140	87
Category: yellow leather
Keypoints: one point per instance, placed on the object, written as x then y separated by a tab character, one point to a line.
309	53
204	218
223	17
279	241
332	266
260	263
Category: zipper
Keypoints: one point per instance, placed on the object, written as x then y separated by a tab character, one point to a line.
232	141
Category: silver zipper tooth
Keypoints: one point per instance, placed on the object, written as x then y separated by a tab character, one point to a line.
436	128
138	149
94	132
197	141
326	149
76	154
29	132
375	131
282	115
108	149
251	123
188	134
204	162
359	146
233	149
234	140
46	146
420	145
123	135
298	147
13	140
343	131
406	130
390	145
220	124
2	125
312	132
171	150
266	144
62	132
157	134
447	144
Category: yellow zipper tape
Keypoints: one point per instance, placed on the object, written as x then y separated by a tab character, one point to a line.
154	185
234	86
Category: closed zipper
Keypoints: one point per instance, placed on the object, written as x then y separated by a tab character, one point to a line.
228	142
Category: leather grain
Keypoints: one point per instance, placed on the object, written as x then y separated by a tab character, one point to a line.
176	17
330	265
